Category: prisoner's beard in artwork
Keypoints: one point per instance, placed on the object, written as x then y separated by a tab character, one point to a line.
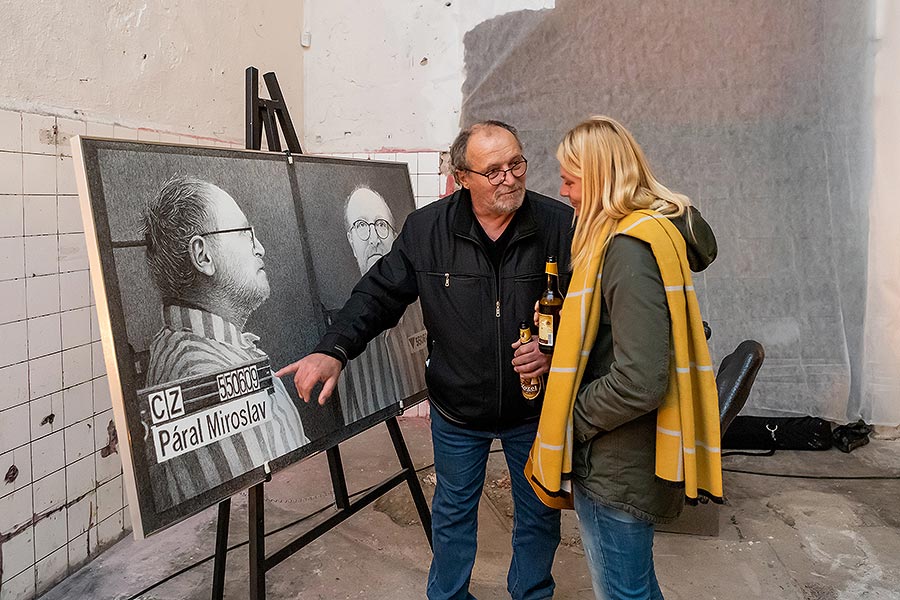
245	296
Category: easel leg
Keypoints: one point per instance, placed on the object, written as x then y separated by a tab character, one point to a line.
412	479
218	588
256	515
338	482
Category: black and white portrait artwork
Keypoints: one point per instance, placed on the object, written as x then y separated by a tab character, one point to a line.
207	282
354	215
207	264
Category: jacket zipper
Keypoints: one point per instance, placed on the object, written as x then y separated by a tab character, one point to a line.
497	278
497	319
499	351
514	240
499	340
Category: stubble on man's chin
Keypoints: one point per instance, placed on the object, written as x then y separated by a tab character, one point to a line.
506	204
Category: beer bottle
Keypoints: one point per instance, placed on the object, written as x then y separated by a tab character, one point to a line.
548	309
531	386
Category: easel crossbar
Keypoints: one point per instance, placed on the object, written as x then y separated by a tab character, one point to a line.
341	515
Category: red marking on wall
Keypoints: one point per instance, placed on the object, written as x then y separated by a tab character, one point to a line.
451	185
201	138
387	149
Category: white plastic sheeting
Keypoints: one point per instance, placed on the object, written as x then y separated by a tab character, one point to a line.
762	113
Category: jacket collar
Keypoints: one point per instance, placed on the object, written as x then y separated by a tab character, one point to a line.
464	221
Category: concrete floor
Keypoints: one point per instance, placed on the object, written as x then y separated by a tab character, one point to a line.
778	538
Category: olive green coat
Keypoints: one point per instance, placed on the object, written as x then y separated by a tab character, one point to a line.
626	379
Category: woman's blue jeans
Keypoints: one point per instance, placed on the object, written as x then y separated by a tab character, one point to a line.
619	550
460	460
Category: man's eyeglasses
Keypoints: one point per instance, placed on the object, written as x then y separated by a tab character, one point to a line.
498	176
234	230
362	229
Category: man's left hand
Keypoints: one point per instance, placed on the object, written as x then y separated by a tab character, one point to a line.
529	361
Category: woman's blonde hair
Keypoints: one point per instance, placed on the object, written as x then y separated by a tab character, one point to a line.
615	181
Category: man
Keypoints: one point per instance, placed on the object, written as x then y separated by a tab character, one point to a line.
475	260
392	367
208	264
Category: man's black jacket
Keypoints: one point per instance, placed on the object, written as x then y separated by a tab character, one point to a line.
471	320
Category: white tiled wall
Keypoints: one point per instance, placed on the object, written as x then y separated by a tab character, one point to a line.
61	500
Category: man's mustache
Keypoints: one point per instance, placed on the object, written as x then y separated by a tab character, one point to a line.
512	190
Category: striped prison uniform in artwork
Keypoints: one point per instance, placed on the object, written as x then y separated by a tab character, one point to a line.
408	350
388	370
195	342
368	384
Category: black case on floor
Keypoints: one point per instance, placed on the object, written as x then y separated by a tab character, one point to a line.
778	433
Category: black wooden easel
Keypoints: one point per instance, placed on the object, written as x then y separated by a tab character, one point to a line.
262	114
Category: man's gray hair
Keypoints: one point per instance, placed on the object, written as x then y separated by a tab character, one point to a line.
461	144
169	221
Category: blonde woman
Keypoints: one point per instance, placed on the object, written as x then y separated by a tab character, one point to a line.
632	367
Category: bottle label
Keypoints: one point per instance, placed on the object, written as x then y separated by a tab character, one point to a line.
545	329
551	269
531	387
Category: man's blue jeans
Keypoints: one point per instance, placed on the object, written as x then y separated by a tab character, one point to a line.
460	459
619	550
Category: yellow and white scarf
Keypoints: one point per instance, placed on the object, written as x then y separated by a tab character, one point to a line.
687	426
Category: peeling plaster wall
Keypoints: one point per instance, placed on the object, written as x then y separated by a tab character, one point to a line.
175	66
388	76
